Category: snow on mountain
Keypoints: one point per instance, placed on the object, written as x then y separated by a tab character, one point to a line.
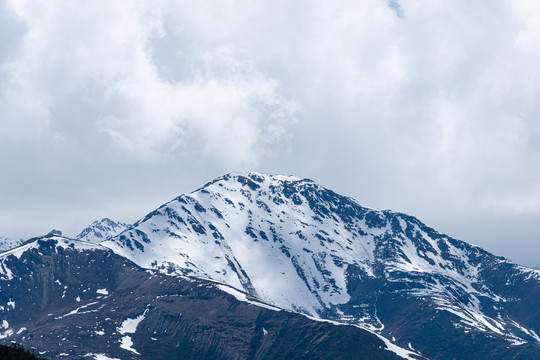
101	230
258	235
302	247
72	299
9	243
59	242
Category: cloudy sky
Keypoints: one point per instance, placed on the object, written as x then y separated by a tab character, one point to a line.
111	108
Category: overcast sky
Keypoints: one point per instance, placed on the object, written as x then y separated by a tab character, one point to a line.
111	108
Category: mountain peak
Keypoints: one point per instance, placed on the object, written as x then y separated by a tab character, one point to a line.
54	232
252	178
234	226
101	230
9	243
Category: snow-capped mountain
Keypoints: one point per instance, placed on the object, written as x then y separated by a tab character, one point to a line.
245	246
73	299
101	230
9	243
299	246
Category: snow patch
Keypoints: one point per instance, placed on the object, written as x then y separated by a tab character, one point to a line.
129	326
406	354
6	334
240	296
99	357
126	343
285	178
76	311
5	271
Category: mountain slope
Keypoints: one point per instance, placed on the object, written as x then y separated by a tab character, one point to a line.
302	247
73	299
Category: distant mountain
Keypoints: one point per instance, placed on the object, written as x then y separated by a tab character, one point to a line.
299	246
73	299
101	230
9	243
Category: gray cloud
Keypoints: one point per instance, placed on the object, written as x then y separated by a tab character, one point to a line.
109	109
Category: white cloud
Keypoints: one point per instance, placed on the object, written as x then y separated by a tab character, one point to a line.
528	39
226	110
414	105
222	107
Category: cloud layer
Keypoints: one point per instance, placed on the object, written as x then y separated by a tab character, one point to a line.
106	60
427	107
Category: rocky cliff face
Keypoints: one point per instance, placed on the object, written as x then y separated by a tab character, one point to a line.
72	299
299	246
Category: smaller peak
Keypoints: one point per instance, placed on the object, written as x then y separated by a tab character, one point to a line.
102	221
54	232
101	230
7	243
107	221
